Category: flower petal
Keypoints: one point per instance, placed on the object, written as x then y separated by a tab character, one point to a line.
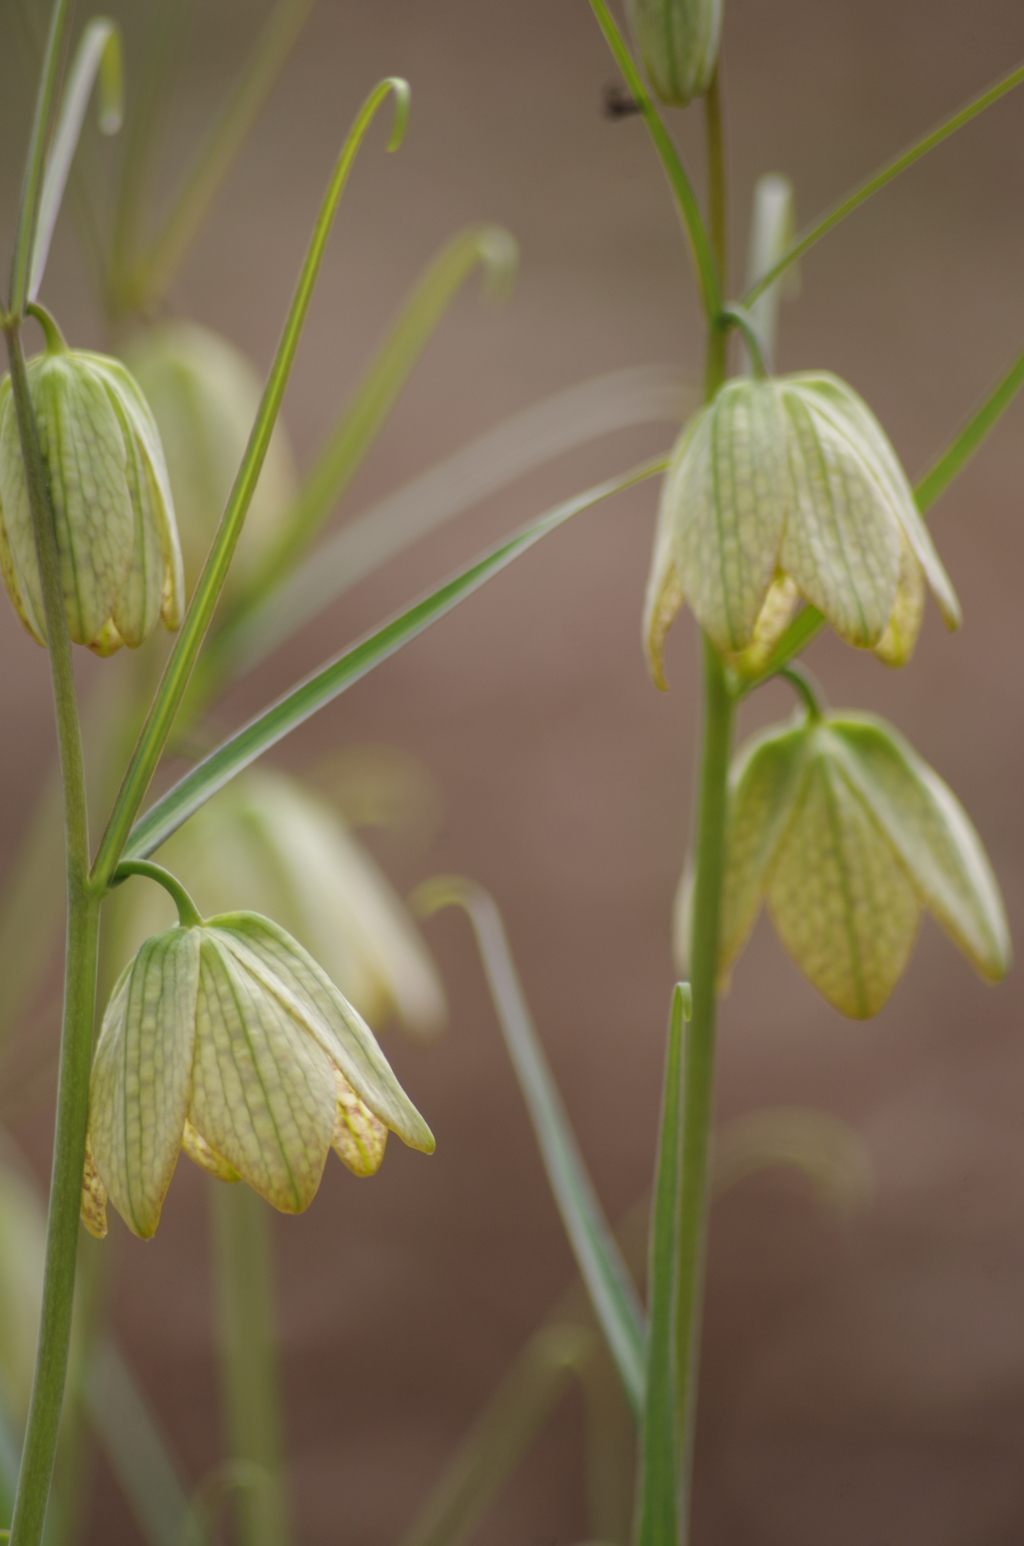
930	830
359	1136
896	645
839	896
842	539
727	494
836	398
663	598
764	787
291	974
262	1090
207	1158
140	1079
93	1209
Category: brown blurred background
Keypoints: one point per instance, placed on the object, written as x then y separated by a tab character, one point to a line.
863	1381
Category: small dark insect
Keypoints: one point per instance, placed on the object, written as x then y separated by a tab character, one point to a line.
617	103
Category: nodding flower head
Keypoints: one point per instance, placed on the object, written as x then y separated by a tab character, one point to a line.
847	834
226	1039
117	542
787	488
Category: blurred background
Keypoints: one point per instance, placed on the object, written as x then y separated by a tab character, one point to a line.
863	1377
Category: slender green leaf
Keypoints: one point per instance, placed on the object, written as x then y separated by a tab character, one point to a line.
639	395
145	286
955	457
658	1519
47	101
135	1450
161	716
885	175
168	813
598	1257
99	53
364	415
501	1435
708	281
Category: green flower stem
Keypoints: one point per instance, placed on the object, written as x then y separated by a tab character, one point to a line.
699	1060
188	914
35	165
245	1278
175	679
699	1055
886	174
79	1000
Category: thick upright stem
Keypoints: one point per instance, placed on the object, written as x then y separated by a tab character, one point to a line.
79	999
245	1273
699	1056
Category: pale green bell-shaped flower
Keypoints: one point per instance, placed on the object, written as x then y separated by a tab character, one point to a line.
204	395
678	42
783	488
226	1039
845	832
117	541
270	843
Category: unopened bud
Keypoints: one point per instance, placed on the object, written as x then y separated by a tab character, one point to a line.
678	43
120	564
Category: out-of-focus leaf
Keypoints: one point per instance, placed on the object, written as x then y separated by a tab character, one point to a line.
143	286
500	1436
598	1256
646	394
168	813
363	417
826	1149
771	231
134	1447
99	52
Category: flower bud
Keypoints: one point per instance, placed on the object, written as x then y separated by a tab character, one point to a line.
120	564
227	1040
678	43
847	834
285	852
785	488
204	395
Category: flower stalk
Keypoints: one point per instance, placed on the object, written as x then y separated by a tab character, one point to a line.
79	997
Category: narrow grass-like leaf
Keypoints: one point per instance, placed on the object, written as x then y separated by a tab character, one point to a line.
168	813
360	423
44	117
99	53
885	175
144	287
955	457
165	706
609	1284
658	1518
641	395
708	282
771	230
134	1447
501	1435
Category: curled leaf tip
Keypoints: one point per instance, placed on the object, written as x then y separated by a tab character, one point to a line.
403	99
685	997
111	76
443	891
499	254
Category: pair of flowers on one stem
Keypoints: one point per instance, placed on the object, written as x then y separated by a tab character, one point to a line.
787	490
